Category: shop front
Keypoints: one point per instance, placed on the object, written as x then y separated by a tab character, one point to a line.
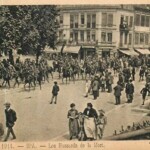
87	51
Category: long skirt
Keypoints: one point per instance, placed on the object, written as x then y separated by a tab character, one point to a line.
90	128
73	127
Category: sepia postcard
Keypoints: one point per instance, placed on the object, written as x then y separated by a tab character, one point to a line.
74	75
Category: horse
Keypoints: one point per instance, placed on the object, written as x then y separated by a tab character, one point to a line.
29	78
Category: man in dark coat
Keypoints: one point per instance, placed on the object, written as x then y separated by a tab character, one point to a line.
117	93
10	120
129	91
55	91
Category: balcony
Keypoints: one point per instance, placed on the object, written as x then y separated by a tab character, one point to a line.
124	27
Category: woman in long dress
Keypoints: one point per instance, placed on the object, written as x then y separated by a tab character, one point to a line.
90	115
73	122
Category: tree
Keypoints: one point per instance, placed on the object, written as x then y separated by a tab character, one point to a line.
28	27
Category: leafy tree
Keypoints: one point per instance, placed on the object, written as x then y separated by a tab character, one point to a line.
28	28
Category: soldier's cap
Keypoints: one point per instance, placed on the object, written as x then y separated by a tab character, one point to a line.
102	111
7	104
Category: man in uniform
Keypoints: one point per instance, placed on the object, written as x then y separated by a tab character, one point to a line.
10	120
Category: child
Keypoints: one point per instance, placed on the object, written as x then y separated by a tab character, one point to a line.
101	121
81	136
144	92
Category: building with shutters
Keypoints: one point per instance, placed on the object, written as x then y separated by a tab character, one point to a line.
104	29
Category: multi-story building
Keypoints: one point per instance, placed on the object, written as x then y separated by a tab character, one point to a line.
104	28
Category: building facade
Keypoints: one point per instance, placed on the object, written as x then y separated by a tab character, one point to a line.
104	28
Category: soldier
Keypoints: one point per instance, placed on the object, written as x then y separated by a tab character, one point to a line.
10	120
55	91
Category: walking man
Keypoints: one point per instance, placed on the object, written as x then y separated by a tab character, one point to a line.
129	91
55	91
10	120
117	93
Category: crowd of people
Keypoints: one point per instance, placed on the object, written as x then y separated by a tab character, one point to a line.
99	75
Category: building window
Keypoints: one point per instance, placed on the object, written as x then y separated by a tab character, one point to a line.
76	21
110	20
131	21
141	38
82	36
93	36
147	21
76	36
88	21
146	39
61	19
94	21
137	19
104	19
121	19
88	36
71	21
136	38
71	36
142	20
130	39
82	18
103	36
109	36
126	39
127	19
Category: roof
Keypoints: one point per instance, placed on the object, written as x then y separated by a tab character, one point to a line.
143	51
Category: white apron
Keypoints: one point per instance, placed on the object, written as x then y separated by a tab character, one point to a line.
90	127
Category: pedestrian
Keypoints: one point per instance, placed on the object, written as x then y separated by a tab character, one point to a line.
117	92
95	88
10	120
87	87
101	122
133	73
144	92
129	91
103	83
55	91
110	82
90	115
73	121
141	74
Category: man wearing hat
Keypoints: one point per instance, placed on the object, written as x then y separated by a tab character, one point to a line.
55	91
10	120
129	91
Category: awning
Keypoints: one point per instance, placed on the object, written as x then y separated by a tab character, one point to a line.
129	52
89	47
143	51
50	50
71	49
